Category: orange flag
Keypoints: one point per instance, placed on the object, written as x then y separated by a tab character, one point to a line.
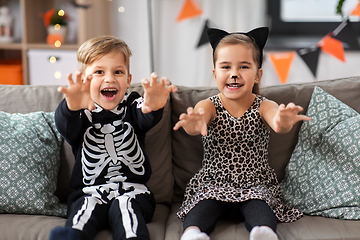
190	9
333	47
282	63
356	10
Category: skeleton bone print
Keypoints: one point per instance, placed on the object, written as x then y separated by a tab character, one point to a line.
112	146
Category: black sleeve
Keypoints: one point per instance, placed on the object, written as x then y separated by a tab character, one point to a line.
143	121
69	123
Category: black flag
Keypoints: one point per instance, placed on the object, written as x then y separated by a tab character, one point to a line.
345	32
310	57
204	38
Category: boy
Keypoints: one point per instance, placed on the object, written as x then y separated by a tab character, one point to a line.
106	127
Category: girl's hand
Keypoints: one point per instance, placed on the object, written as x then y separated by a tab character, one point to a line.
193	122
156	93
77	94
287	116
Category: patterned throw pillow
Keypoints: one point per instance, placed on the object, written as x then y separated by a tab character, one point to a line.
323	175
29	164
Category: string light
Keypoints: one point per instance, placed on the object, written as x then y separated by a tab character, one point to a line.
57	43
52	59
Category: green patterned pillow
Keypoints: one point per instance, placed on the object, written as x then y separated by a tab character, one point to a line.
29	164
323	175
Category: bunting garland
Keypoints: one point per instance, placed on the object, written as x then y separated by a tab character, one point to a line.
311	57
356	11
190	9
333	47
204	38
282	63
332	44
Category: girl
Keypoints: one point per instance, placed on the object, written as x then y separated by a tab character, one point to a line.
236	177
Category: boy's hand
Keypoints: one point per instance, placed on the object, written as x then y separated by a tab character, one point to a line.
192	122
77	94
287	116
156	93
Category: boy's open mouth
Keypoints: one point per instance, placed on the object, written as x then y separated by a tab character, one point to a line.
109	92
234	85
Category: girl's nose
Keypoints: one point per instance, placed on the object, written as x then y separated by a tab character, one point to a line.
234	77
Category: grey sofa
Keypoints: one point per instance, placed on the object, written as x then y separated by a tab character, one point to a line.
175	157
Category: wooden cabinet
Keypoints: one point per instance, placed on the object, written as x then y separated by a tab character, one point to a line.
92	20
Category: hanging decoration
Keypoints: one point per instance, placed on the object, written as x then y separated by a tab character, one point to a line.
311	57
204	38
345	32
356	11
190	9
282	63
333	47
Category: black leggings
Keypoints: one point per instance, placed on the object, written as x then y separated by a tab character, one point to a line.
207	212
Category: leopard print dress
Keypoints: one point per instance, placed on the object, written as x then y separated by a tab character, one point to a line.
235	165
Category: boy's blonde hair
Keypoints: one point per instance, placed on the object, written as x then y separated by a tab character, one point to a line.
95	48
237	38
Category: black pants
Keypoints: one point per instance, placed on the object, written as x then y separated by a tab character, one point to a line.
127	218
207	212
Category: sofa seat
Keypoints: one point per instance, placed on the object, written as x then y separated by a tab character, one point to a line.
35	227
307	228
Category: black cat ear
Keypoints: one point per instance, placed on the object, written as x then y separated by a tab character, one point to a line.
260	35
215	35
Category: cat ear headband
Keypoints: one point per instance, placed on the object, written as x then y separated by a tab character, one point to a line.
259	35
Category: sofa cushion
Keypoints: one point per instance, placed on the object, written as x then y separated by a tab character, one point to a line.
281	146
29	164
26	99
323	175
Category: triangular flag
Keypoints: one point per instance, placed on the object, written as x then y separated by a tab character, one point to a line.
345	32
333	47
356	10
204	37
310	57
282	63
190	9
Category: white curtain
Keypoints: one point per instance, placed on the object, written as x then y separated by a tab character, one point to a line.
175	51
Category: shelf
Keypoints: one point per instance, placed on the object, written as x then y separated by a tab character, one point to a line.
11	46
46	46
90	22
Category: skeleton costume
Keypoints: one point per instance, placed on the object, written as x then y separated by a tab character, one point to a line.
111	168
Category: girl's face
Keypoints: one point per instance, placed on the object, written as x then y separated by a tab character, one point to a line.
236	60
110	80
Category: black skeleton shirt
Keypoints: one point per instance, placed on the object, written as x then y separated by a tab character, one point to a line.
109	146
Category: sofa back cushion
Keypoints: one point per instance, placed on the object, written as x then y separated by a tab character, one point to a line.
187	150
158	149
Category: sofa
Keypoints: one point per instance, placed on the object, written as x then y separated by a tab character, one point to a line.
175	157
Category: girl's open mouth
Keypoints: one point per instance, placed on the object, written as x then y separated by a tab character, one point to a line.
109	92
234	85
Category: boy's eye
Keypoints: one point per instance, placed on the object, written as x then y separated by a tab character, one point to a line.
225	67
244	67
118	72
99	72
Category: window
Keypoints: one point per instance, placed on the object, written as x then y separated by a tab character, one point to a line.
298	23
